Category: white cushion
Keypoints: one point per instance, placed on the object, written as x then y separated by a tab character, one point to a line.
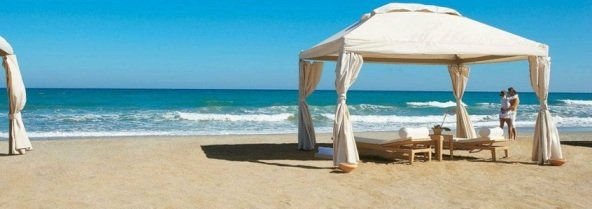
491	132
480	139
326	150
414	133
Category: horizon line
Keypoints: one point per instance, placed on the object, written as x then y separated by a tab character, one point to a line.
265	89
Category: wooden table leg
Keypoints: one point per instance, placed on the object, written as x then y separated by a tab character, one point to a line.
450	146
439	146
438	141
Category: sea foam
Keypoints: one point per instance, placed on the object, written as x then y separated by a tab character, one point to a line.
433	104
410	119
234	117
576	102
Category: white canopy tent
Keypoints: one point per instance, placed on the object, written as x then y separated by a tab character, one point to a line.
18	141
423	34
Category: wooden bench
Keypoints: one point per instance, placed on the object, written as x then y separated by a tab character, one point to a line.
386	148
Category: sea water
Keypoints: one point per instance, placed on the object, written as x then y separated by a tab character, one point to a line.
51	113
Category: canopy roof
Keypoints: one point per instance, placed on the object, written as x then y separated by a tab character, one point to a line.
425	34
5	48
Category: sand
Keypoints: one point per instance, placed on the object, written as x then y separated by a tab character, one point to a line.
266	171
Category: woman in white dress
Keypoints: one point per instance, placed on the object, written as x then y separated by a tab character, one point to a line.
512	110
504	117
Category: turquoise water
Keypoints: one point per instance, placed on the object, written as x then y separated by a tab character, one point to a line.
135	112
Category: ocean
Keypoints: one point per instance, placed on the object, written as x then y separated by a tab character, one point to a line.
59	113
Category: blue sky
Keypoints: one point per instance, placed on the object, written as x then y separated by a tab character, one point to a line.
255	44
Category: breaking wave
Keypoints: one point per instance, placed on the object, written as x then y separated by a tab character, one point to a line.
433	104
234	117
576	102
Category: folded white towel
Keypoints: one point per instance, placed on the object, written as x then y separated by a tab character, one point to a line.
491	132
326	151
414	133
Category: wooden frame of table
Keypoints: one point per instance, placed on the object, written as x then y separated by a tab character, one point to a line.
439	142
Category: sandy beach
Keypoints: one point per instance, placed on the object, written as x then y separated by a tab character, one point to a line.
266	171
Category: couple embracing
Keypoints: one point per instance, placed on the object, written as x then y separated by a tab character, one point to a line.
509	101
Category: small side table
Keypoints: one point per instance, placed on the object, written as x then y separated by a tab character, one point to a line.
439	141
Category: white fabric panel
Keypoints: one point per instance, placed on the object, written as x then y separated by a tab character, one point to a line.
491	132
546	143
459	74
310	74
414	133
433	34
5	48
17	136
346	71
403	31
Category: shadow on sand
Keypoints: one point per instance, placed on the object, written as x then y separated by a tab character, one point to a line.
263	153
5	155
501	161
578	143
400	159
260	153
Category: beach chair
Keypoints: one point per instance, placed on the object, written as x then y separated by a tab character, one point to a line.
408	144
489	139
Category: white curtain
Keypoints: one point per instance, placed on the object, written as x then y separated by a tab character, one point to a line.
17	135
459	74
546	145
346	72
310	74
